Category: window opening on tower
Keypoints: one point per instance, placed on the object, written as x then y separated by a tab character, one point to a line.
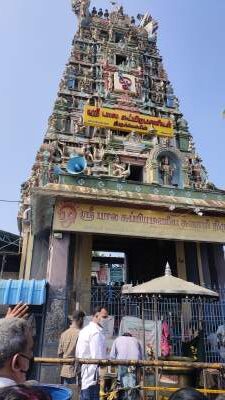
118	37
136	173
104	35
120	59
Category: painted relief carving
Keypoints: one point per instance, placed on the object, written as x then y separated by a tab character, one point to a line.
115	66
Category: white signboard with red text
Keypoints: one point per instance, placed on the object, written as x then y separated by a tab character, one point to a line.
124	82
134	326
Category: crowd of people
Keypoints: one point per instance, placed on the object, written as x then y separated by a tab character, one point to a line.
89	342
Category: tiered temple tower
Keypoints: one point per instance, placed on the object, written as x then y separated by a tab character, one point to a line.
116	108
118	166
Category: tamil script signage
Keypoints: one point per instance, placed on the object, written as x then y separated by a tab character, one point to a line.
93	218
126	121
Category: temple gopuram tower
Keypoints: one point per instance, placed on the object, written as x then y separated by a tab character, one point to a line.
117	171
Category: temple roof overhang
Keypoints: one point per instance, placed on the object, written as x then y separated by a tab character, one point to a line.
9	243
124	194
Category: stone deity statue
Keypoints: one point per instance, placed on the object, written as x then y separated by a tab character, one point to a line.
84	6
52	122
99	153
167	171
88	154
81	7
119	169
133	61
197	173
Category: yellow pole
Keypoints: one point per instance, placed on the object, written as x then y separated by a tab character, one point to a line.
139	363
173	389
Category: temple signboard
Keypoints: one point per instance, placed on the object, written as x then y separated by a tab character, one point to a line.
127	121
95	218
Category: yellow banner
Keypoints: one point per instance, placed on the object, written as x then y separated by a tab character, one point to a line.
126	121
93	218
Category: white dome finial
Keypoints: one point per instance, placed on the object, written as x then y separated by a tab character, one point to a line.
168	270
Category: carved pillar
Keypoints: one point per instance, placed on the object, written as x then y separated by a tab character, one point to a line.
181	265
147	173
82	271
154	172
56	307
205	264
27	254
219	263
200	266
185	177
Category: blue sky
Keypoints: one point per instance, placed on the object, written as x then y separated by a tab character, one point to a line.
35	40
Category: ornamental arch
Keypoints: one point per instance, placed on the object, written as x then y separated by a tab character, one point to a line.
156	167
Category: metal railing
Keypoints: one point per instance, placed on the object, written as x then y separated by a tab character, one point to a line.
151	389
193	322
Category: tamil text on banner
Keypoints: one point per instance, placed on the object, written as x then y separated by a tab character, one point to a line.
127	121
96	218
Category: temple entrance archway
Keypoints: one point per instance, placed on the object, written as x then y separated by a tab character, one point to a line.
144	259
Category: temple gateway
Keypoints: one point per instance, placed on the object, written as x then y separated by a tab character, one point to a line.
117	188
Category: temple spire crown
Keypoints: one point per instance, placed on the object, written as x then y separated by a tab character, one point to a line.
168	271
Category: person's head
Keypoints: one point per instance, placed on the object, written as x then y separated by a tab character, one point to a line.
16	348
187	393
220	397
78	319
99	315
22	392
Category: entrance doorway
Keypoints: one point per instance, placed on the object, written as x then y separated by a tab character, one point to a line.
108	268
139	259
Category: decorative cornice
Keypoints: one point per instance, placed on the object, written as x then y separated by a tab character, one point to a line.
103	188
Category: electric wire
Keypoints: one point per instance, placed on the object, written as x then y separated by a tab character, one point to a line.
9	201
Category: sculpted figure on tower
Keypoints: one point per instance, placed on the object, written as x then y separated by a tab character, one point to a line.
167	171
81	7
115	70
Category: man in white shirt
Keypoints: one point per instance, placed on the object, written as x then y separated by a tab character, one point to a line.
16	350
91	344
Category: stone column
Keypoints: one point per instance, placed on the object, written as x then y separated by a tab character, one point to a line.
220	263
27	253
82	271
181	265
24	254
155	174
56	307
40	255
186	181
205	265
200	266
29	256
